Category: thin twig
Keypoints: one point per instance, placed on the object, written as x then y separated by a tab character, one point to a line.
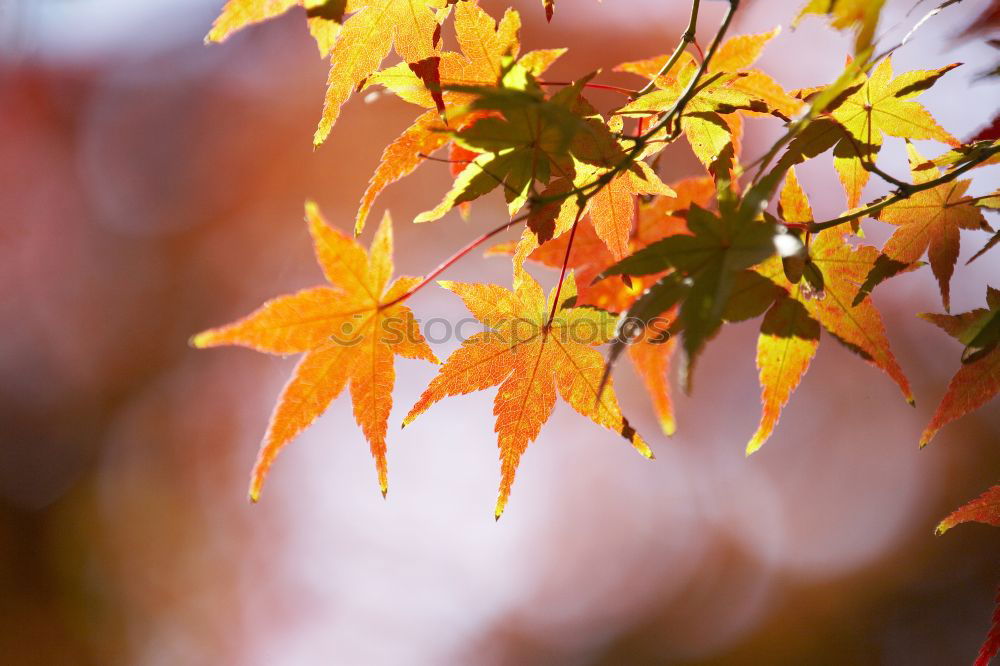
687	38
597	86
869	164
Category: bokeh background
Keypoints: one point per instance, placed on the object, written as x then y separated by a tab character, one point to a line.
151	186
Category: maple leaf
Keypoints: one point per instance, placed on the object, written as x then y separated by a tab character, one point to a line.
991	646
929	221
649	355
531	140
709	122
789	336
859	15
788	341
324	18
990	202
529	357
978	380
705	264
374	28
982	153
612	208
484	45
983	509
790	332
348	332
882	104
400	158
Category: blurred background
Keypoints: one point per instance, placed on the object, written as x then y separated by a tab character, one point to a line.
151	187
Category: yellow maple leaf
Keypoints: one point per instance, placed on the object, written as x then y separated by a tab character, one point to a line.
859	15
790	332
374	28
324	17
532	351
882	104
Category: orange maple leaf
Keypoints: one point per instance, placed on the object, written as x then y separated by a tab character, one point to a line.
532	350
790	331
589	256
349	331
612	208
373	29
324	17
978	381
929	221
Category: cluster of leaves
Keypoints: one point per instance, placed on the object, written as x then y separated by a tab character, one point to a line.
656	269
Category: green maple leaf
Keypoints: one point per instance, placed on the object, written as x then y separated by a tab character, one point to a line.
705	264
525	139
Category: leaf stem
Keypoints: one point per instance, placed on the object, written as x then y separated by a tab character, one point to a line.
562	273
447	263
597	86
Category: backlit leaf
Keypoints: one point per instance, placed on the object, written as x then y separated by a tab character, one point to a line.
324	17
827	295
347	334
858	15
651	354
374	28
978	380
929	221
983	509
710	122
530	359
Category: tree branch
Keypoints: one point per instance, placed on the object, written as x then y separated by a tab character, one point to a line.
899	196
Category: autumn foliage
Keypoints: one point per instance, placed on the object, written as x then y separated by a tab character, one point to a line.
655	269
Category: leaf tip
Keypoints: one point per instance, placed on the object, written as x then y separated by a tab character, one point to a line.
943	527
201	340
